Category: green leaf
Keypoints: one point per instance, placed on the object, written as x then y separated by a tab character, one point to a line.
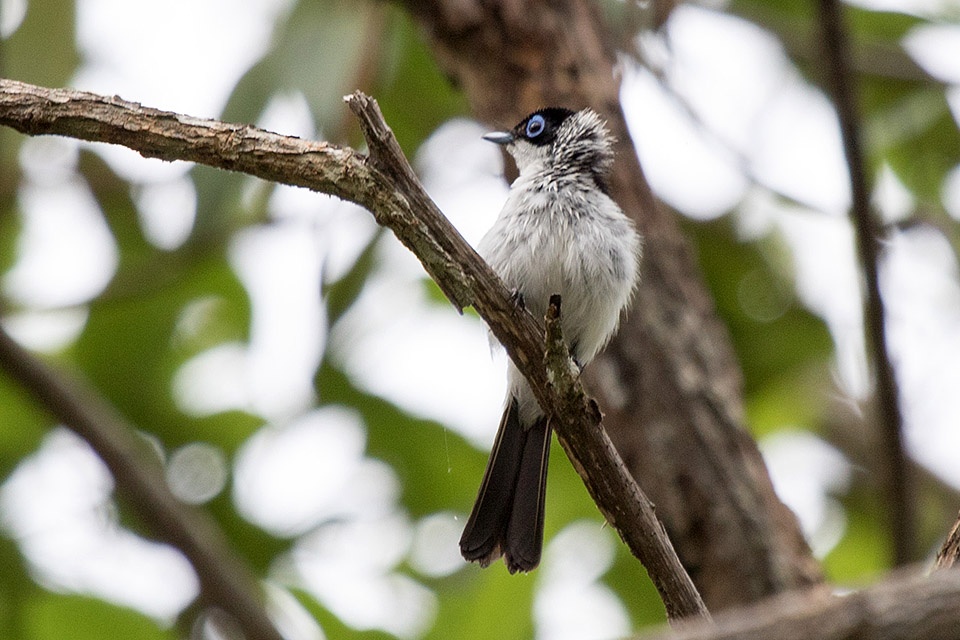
339	295
11	223
119	211
485	603
567	497
630	581
435	294
132	346
774	337
413	94
918	137
878	27
22	424
437	468
55	617
221	206
864	552
257	547
30	54
320	51
227	430
793	399
332	626
16	589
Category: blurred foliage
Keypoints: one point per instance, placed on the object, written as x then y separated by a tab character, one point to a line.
164	306
53	616
753	292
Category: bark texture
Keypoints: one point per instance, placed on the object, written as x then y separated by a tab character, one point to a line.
669	384
950	551
908	606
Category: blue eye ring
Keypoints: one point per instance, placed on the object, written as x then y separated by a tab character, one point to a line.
535	126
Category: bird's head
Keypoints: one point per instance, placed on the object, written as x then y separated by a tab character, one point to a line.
559	142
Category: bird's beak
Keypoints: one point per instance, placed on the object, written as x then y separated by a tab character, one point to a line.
499	137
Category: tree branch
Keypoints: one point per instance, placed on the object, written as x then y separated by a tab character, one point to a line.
385	184
225	582
898	485
910	606
950	550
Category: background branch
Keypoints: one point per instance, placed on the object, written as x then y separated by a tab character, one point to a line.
897	481
909	606
385	184
224	581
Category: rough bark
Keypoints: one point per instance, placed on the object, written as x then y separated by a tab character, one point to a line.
950	551
909	606
669	384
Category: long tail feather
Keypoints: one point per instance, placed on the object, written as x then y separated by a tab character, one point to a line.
524	539
507	517
483	535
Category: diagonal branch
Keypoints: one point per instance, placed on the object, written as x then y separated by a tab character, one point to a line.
385	184
950	550
898	485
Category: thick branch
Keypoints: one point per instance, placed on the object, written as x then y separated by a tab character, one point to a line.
224	581
841	81
385	184
910	606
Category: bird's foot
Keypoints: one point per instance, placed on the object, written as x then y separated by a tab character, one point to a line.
516	297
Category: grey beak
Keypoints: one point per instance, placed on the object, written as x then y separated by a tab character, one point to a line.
499	137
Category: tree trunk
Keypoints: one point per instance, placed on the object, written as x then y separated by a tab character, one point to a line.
669	384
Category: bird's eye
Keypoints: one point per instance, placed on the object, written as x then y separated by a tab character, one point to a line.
535	126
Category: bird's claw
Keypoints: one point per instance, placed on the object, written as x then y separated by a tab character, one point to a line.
516	297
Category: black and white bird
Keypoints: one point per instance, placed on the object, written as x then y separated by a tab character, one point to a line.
558	233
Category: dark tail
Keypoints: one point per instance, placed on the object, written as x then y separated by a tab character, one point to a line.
507	518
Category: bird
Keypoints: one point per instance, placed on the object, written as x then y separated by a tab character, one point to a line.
559	232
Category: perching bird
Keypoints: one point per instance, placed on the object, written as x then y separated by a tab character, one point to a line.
558	233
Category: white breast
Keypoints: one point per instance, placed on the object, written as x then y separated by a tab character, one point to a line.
572	241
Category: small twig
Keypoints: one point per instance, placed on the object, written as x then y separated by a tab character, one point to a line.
225	581
898	485
950	551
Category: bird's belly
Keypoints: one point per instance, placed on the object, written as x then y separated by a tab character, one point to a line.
586	278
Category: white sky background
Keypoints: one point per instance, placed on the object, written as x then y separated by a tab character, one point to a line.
769	133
